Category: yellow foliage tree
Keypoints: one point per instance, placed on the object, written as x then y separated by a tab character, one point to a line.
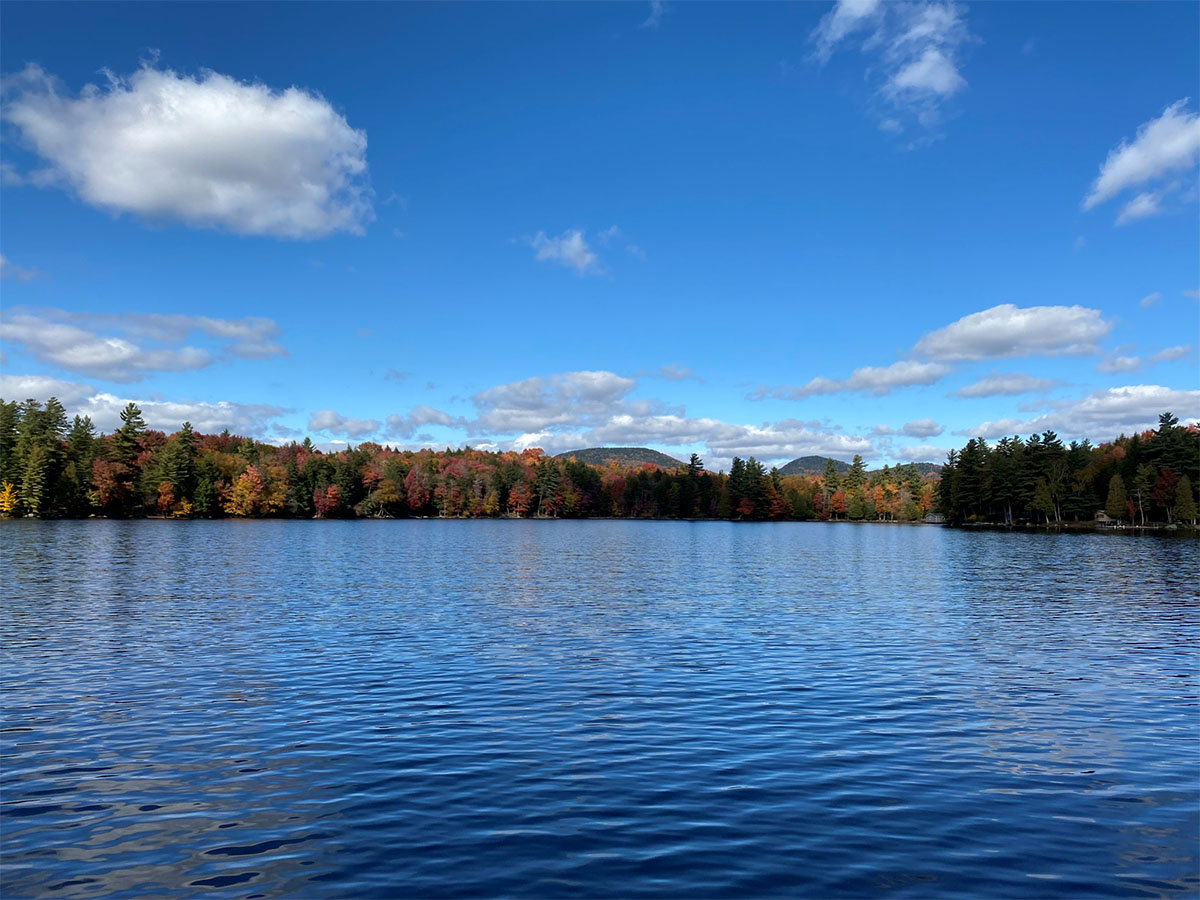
246	494
8	499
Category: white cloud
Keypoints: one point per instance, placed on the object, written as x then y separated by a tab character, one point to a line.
42	387
1115	364
567	398
846	17
104	409
8	270
923	428
1168	354
913	49
877	380
1103	414
920	453
996	429
932	73
78	342
569	249
657	8
335	423
206	150
1195	295
999	384
670	372
1150	299
1009	331
1143	206
78	350
1166	145
406	426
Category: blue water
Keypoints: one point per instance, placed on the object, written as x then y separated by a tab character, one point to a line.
595	709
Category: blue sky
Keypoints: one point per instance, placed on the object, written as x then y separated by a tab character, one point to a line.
771	229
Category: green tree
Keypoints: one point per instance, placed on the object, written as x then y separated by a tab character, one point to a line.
856	477
125	442
76	480
179	462
830	483
34	493
1116	505
10	464
1043	502
1185	503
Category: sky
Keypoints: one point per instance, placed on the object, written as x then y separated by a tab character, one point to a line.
733	229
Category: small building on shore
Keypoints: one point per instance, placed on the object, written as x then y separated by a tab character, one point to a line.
935	519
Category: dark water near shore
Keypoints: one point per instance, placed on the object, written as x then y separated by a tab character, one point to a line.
575	709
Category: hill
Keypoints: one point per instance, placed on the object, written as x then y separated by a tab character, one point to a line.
815	465
812	465
625	456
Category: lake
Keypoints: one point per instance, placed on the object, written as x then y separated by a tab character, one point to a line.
592	709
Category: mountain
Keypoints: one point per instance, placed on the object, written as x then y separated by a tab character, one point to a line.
928	468
812	465
624	456
815	465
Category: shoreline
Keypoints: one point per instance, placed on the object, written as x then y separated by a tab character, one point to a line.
1172	530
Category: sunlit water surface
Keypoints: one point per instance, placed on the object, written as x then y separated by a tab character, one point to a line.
594	709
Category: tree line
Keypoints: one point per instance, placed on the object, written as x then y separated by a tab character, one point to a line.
51	466
1141	479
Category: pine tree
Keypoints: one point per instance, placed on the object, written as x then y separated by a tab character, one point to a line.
33	483
830	484
856	477
10	467
1185	503
125	441
1116	505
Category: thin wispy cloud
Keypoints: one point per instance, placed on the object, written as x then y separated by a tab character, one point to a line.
569	249
15	272
657	9
1164	147
913	53
1005	384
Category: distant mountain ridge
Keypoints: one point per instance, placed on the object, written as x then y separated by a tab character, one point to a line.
815	465
624	456
812	465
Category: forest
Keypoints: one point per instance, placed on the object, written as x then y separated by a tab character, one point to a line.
52	466
1143	479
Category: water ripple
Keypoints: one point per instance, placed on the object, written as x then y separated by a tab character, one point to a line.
595	709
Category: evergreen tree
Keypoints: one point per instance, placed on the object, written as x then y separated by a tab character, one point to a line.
830	483
179	463
1185	503
856	477
34	492
10	465
1115	505
77	473
125	442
